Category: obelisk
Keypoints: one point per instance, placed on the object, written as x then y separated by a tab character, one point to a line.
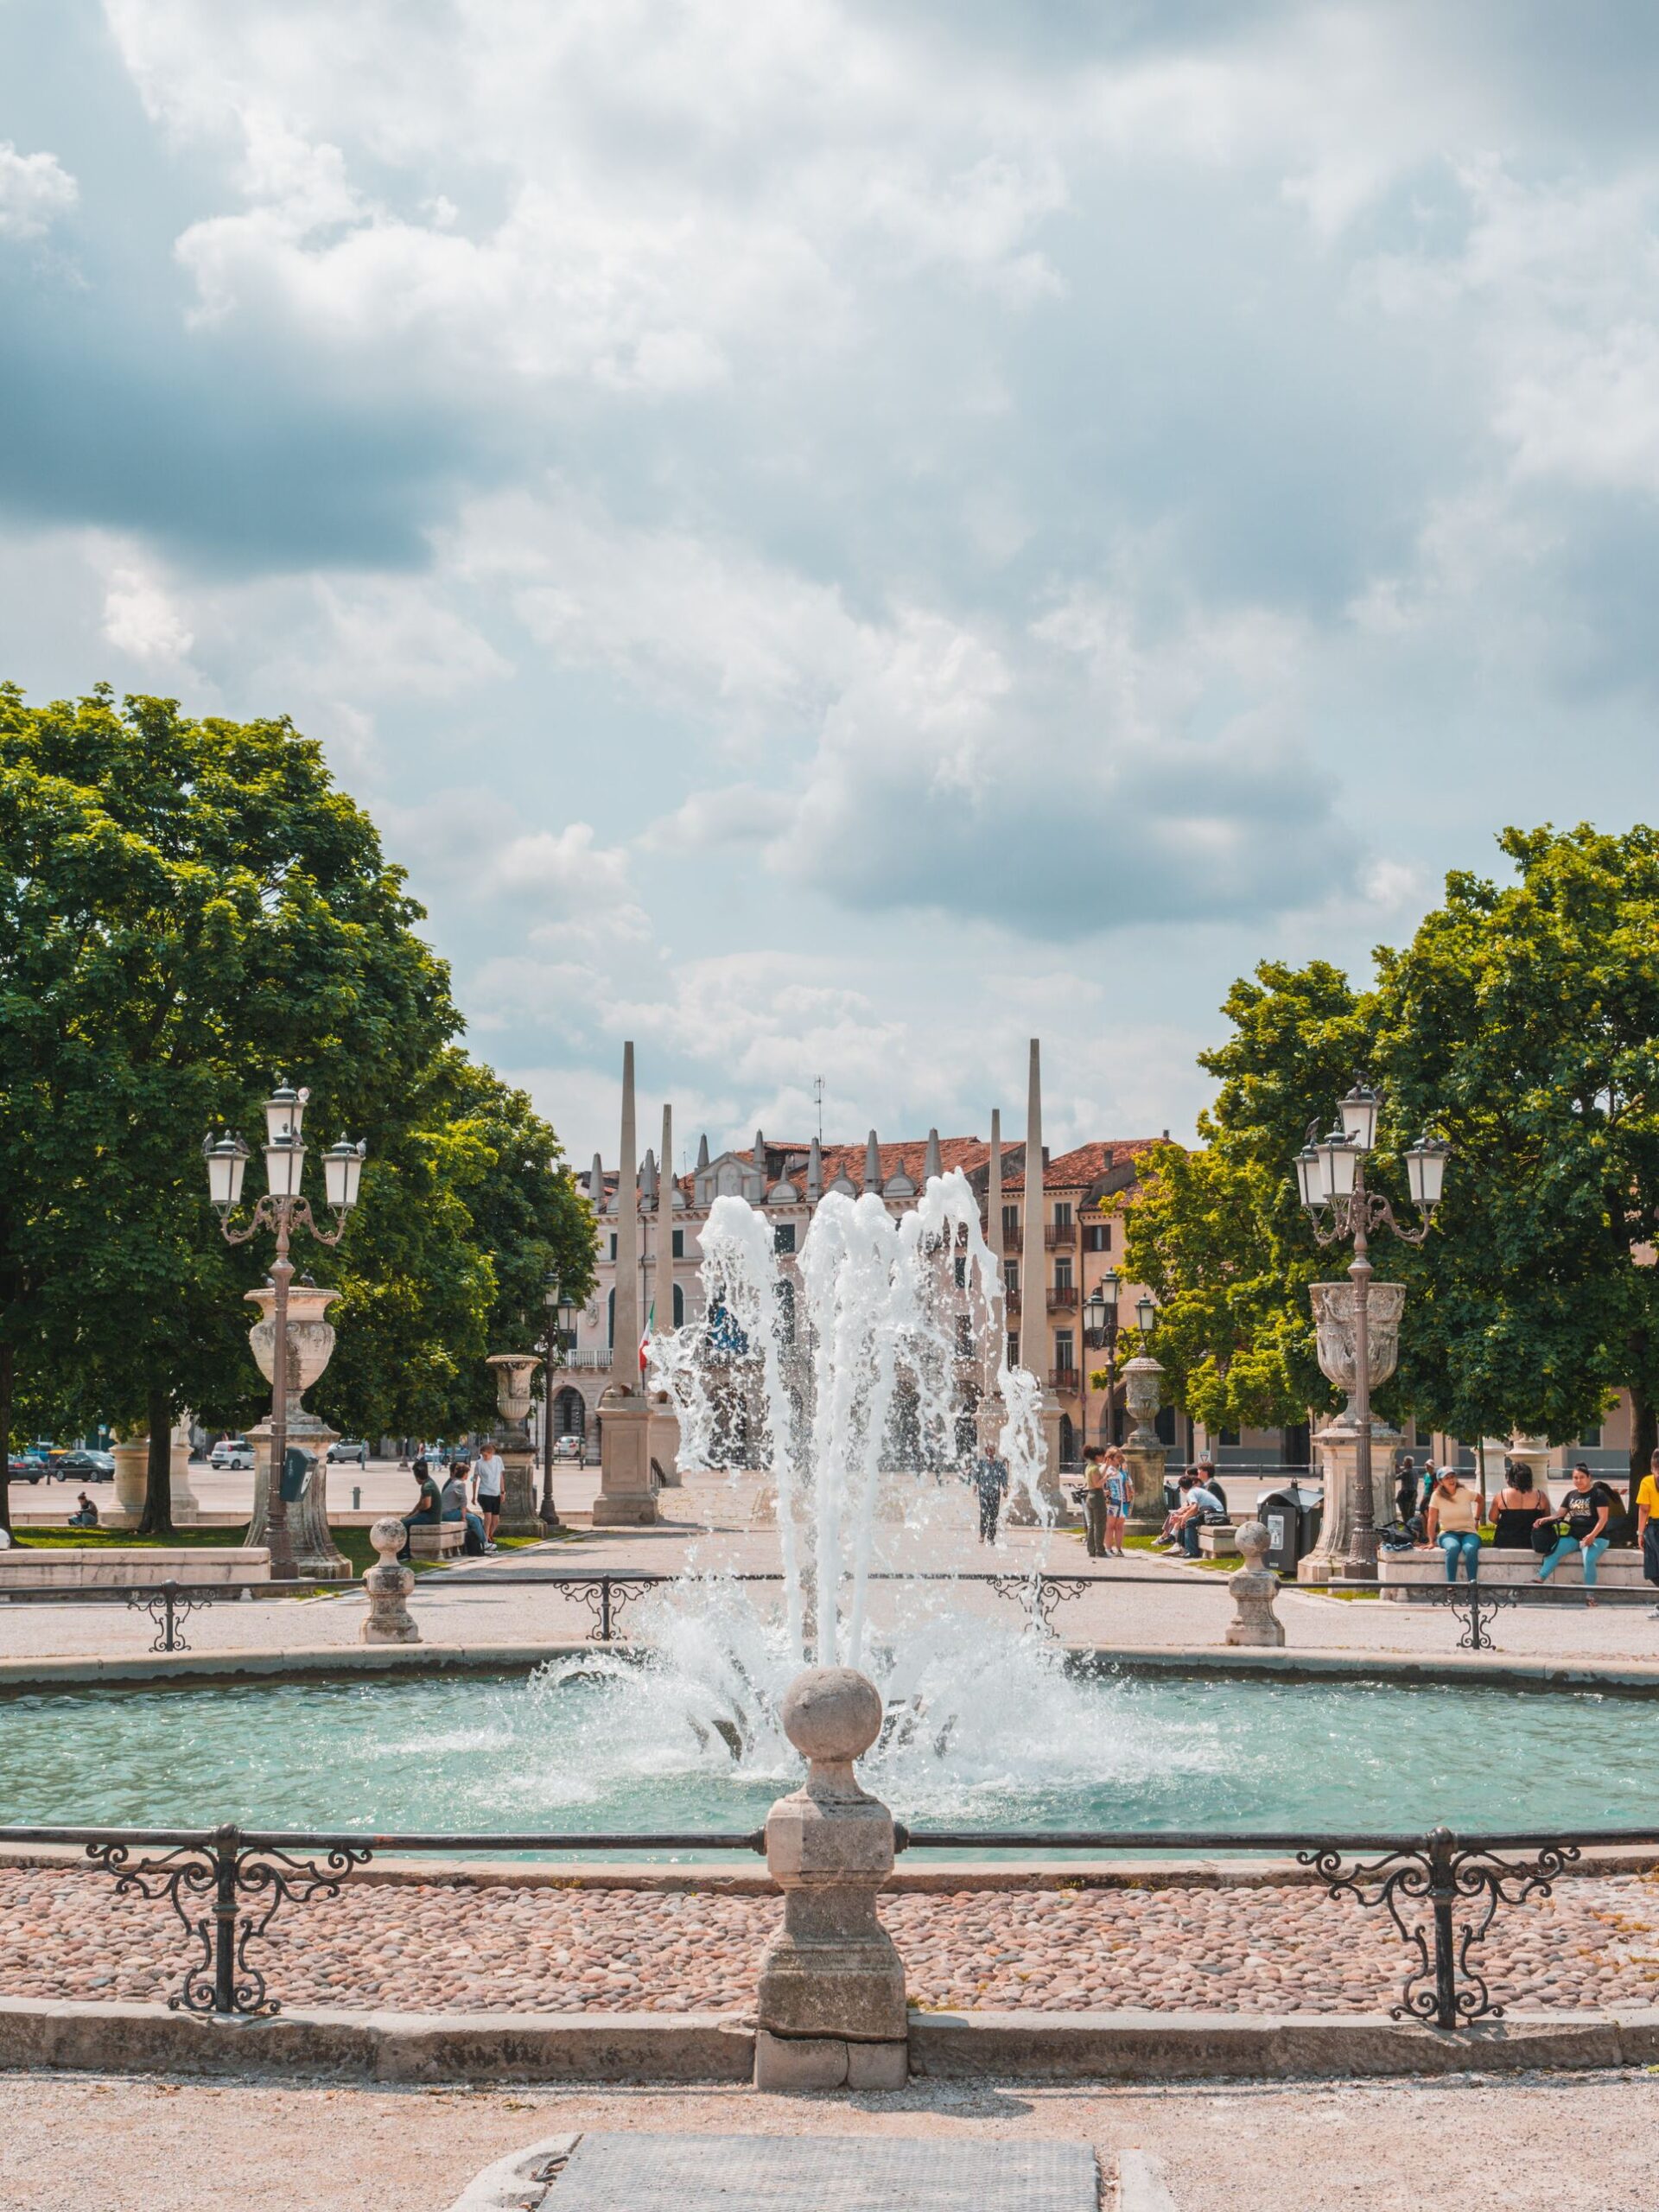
626	1498
992	1411
1033	1291
664	1436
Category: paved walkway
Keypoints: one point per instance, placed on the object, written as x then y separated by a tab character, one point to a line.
1147	1600
434	1947
1575	2143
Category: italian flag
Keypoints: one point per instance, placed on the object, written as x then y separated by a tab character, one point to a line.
644	1341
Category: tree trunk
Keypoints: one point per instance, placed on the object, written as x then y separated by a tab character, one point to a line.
1644	1436
8	1363
157	1519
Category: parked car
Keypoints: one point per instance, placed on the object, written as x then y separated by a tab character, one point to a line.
346	1448
86	1467
24	1467
232	1452
567	1447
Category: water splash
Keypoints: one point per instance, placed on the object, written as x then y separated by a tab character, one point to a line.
857	1397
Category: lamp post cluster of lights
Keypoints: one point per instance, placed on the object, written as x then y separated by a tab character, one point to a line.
1100	1333
560	1335
283	1209
1331	1174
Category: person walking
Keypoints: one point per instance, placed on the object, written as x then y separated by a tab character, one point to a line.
491	1484
990	1478
1454	1524
1585	1508
1647	1526
1094	1501
1120	1496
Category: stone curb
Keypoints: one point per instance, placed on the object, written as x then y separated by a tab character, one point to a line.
707	1876
393	2047
1640	1676
645	2048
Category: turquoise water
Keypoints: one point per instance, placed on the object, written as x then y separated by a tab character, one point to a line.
595	1751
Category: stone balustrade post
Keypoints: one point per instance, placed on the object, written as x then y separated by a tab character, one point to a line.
831	2010
387	1585
1256	1590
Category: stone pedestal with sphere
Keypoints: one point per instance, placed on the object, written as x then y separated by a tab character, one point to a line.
387	1586
830	2011
310	1345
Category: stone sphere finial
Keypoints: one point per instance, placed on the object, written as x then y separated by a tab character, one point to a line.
832	1713
387	1536
1253	1539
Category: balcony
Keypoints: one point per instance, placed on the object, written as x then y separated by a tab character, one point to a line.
1013	1239
1069	1379
1011	1297
1063	1294
1056	1233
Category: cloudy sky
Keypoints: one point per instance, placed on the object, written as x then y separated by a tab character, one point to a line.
834	535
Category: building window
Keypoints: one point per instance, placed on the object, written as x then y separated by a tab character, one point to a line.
783	1236
610	1315
1063	1213
1011	1276
1591	1441
1014	1348
613	1247
785	1310
959	1270
1229	1436
679	1243
964	1337
1097	1237
1065	1351
1010	1221
679	1307
1063	1273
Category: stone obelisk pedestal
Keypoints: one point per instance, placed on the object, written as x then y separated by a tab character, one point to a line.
627	1498
1055	1507
830	2011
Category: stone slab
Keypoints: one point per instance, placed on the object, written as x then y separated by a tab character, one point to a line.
851	2173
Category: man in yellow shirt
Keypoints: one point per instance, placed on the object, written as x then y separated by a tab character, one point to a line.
1647	1525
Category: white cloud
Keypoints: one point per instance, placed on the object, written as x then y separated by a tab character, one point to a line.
36	191
141	619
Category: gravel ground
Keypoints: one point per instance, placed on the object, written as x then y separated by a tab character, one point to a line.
431	1948
1572	2143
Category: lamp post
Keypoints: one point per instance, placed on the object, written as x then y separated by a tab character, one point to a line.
1100	1333
283	1209
1331	1172
561	1326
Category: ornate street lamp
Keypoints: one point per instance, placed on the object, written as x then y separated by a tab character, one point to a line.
1331	1176
283	1209
559	1334
1099	1318
1146	1313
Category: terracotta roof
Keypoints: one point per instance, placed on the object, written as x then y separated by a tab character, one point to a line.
1085	1165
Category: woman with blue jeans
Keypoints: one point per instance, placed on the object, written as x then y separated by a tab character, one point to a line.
1585	1508
1454	1524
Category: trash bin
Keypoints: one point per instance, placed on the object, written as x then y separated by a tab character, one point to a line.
1292	1516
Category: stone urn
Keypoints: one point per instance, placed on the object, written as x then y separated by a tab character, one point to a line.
1333	1319
1143	1396
310	1345
513	1371
310	1336
1144	1454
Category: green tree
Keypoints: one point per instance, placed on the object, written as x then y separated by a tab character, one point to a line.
187	908
1217	1232
460	1221
1524	1019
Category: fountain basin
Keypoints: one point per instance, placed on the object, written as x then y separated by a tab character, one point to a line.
581	1750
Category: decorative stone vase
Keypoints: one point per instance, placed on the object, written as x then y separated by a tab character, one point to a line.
1333	1319
310	1337
310	1345
1143	1394
513	1370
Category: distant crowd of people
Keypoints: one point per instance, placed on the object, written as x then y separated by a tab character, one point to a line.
1440	1510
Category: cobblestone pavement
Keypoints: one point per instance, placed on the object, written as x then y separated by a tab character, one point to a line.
432	1948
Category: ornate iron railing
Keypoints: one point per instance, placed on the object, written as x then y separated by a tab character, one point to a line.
226	1885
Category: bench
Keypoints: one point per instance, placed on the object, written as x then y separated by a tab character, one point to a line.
438	1540
1415	1575
97	1567
1218	1539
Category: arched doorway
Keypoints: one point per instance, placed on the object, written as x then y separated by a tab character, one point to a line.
1068	1441
569	1412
